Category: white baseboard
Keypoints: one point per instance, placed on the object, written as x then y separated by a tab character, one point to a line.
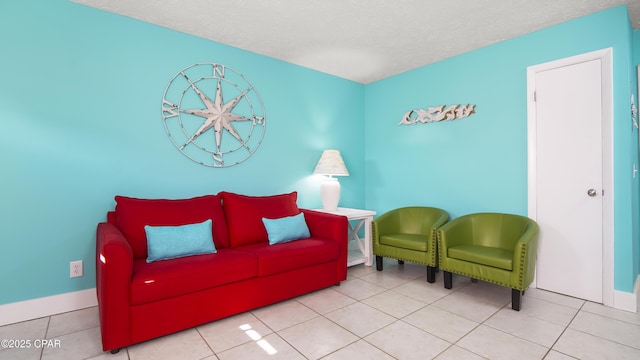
47	306
627	301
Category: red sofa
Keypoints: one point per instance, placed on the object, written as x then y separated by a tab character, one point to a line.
139	301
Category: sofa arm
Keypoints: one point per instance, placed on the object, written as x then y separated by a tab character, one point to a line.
327	226
333	227
524	257
114	263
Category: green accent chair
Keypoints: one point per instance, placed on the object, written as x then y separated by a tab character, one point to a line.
409	234
492	247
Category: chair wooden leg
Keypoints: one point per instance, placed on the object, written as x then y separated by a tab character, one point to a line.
431	274
448	279
516	297
378	263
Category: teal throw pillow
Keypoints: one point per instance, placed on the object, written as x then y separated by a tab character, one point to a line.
286	229
170	242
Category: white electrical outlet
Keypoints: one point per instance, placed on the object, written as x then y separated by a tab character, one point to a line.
75	268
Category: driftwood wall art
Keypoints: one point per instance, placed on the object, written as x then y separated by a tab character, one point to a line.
437	113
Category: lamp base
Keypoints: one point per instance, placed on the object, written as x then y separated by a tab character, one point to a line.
330	192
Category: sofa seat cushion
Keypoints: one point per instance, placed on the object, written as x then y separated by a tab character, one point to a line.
406	241
491	256
175	277
133	214
273	259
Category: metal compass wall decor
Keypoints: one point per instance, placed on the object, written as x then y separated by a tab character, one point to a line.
213	115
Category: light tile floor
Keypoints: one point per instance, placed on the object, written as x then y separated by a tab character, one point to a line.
394	314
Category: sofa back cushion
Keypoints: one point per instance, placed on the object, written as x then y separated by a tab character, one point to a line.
132	214
244	215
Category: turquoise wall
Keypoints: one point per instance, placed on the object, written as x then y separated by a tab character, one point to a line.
81	91
80	94
634	86
480	163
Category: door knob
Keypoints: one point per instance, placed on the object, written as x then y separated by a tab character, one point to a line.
592	192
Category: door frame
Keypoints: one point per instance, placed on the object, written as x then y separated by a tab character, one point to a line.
606	57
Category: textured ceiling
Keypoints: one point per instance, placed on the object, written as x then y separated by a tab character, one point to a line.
360	40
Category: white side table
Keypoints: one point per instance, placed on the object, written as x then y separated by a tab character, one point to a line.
362	252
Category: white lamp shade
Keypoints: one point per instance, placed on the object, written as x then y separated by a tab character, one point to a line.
331	163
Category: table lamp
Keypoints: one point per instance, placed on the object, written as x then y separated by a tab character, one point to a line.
331	164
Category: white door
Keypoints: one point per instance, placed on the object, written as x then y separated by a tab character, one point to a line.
569	179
